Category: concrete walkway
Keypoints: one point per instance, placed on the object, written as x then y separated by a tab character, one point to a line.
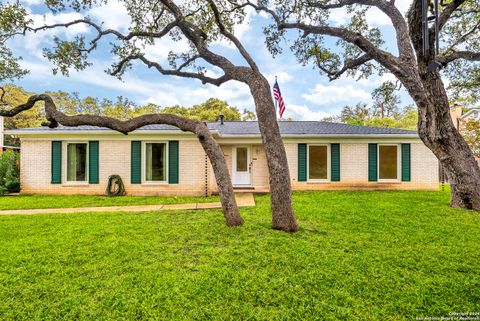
243	200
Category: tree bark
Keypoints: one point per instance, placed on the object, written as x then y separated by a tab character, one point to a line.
222	176
435	125
209	144
283	215
437	131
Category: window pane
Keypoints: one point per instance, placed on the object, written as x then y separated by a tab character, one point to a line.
156	161
317	162
76	162
242	159
388	162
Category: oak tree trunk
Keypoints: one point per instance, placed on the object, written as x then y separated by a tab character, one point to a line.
438	132
222	176
435	125
283	216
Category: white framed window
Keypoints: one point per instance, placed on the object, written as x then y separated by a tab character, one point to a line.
318	162
389	165
155	161
76	162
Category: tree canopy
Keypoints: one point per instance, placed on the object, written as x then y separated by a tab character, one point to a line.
121	108
363	115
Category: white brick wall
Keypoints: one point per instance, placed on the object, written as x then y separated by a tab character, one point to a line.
115	159
354	162
35	165
424	164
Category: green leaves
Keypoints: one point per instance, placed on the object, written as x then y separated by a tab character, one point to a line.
208	111
385	101
68	54
9	66
9	173
462	32
13	20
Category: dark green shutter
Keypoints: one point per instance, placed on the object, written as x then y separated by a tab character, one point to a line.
56	162
173	162
93	162
372	163
302	162
406	162
136	162
335	162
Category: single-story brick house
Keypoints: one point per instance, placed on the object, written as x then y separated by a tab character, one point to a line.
163	160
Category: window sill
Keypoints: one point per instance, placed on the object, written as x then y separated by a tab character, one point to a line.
388	182
319	182
76	184
155	183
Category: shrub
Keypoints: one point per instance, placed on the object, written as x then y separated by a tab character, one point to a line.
9	173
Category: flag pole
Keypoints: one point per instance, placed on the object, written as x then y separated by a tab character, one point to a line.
276	101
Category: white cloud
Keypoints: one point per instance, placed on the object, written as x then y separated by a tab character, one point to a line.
159	50
323	95
302	112
113	14
186	92
282	76
374	16
31	2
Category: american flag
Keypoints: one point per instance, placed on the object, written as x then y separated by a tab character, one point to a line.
278	97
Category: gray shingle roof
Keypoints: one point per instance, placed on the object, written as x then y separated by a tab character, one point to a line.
313	128
306	128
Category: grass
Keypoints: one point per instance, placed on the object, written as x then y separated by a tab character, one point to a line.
22	202
359	256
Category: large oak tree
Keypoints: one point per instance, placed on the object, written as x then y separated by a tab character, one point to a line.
359	51
200	24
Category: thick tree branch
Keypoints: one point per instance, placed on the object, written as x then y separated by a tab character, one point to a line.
387	7
231	37
101	33
448	11
386	59
466	55
348	65
119	67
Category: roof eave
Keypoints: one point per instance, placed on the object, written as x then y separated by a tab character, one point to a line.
93	132
214	132
329	136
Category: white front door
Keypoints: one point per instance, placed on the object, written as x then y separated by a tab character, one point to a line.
241	167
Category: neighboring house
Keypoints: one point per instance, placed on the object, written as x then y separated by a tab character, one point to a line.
2	139
163	160
459	118
471	114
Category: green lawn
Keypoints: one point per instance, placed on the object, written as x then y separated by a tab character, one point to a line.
23	202
358	256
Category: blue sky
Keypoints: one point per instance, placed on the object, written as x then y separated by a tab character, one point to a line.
308	94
